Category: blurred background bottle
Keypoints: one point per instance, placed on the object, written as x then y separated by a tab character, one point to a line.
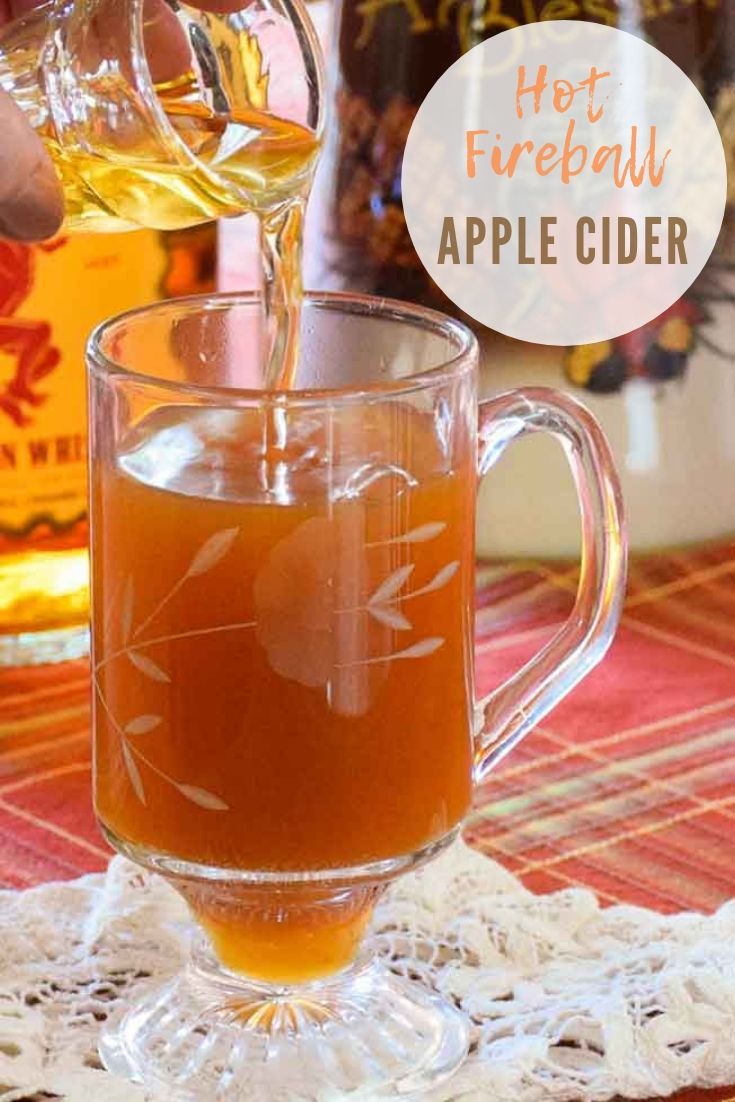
51	296
664	394
161	121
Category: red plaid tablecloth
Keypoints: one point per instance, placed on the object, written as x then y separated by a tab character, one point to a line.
627	787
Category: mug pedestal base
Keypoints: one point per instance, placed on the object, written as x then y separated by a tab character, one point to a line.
210	1034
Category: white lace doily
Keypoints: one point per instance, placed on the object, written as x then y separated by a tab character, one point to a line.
568	1001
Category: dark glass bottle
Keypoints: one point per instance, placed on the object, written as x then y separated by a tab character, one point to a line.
666	393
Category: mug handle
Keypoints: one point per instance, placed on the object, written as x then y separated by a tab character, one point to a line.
504	716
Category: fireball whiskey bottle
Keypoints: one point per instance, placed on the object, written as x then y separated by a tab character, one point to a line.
51	296
665	393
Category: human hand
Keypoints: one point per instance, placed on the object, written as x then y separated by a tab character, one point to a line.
31	200
31	197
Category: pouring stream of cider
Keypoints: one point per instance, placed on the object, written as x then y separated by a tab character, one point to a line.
276	168
272	159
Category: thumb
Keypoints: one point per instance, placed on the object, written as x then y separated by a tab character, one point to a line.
31	199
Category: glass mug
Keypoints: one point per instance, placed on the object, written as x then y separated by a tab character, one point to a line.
162	115
283	702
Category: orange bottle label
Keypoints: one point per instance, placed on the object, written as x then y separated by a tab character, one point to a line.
51	297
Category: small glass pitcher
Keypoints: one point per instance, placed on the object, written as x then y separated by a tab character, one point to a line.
162	115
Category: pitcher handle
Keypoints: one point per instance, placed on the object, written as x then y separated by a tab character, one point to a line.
504	716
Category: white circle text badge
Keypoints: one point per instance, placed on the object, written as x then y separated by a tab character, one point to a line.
564	182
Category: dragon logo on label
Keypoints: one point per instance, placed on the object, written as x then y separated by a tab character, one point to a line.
27	354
